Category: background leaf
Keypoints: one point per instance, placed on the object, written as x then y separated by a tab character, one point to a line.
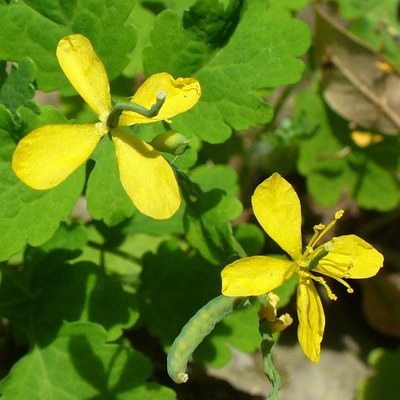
384	383
90	365
18	88
106	198
102	21
54	291
174	287
207	216
355	82
27	215
334	164
261	53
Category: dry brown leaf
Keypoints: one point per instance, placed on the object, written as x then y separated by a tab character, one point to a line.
357	83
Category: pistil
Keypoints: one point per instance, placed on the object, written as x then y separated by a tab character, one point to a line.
119	108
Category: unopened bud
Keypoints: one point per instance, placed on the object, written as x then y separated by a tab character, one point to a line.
170	142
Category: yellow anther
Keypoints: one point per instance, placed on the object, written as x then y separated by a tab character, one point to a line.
339	214
344	283
318	228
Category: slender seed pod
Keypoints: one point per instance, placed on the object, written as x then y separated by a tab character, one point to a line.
193	333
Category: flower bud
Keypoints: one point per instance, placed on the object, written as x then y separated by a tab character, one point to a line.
170	142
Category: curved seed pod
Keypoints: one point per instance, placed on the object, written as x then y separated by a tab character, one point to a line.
195	330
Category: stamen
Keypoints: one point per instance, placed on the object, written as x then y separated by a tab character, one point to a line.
339	214
322	281
343	269
320	230
310	247
343	282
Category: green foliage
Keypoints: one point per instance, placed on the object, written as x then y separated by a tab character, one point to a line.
255	58
29	216
169	301
18	88
107	200
51	290
251	238
86	279
334	164
36	26
207	215
384	383
91	368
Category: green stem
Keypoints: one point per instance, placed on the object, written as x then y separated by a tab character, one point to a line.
267	342
117	252
189	188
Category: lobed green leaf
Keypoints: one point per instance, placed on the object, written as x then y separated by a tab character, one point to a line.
81	364
33	28
258	51
29	216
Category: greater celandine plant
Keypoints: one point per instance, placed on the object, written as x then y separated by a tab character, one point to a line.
48	155
277	209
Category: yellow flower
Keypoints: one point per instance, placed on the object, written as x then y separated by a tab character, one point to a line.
49	154
277	208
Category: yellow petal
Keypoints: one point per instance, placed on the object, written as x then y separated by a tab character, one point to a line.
311	318
49	154
349	256
254	276
86	73
182	95
146	176
277	209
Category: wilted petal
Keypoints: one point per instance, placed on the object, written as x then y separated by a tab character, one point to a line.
277	209
254	276
146	176
49	154
182	94
269	312
86	73
281	323
349	257
311	318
